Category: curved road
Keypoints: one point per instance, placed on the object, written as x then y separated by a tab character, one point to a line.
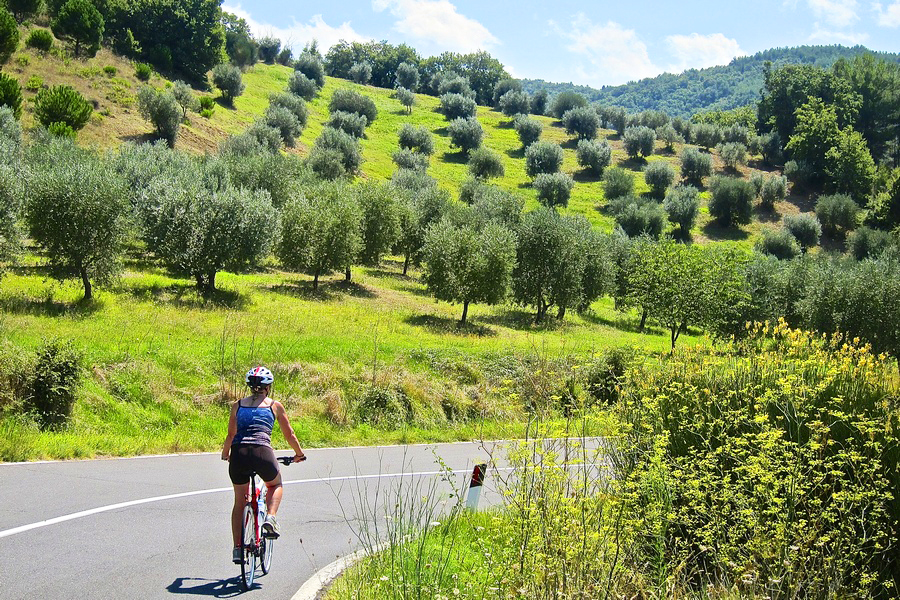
157	527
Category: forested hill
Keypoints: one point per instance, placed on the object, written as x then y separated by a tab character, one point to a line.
715	88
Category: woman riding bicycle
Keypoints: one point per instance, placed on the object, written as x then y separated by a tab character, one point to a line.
248	449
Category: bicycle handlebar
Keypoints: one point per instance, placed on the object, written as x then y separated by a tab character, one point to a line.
286	460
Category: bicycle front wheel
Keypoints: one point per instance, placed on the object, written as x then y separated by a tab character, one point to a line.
248	547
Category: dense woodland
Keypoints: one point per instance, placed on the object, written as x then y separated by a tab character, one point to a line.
717	88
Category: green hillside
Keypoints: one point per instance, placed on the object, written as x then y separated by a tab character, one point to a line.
716	88
116	121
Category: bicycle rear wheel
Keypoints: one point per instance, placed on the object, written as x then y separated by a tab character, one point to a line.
248	547
266	548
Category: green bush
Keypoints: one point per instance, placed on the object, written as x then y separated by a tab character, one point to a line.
302	86
311	66
695	165
142	71
344	143
733	154
352	101
228	79
9	35
457	106
866	242
659	176
639	216
594	155
416	138
162	110
682	203
543	157
55	384
639	141
805	228
40	39
327	163
774	189
11	94
110	70
778	243
383	406
410	159
351	123
837	213
529	130
732	201
484	163
206	113
617	182
296	105
62	104
605	377
553	189
465	134
61	130
286	122
207	103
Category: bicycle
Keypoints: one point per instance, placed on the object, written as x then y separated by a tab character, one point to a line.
255	546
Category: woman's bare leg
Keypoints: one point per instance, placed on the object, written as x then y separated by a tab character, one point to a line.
274	491
241	492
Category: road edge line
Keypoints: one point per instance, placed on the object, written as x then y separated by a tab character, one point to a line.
313	586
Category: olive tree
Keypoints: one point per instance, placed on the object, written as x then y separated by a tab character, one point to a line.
77	213
285	121
199	231
553	189
184	95
320	231
465	265
227	78
682	203
162	110
529	130
733	154
380	220
582	122
310	65
639	141
457	106
351	101
695	165
659	176
617	182
732	201
549	263
407	76
361	73
543	157
565	101
302	86
514	103
594	155
465	134
484	163
417	138
406	98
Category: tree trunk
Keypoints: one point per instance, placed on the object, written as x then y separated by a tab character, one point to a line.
643	320
316	280
199	279
86	281
561	313
462	321
405	263
347	274
211	282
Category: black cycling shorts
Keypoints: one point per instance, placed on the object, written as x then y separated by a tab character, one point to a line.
251	458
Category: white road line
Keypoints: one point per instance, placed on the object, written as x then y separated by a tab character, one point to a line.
102	509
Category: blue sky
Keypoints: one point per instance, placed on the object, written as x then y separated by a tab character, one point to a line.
590	43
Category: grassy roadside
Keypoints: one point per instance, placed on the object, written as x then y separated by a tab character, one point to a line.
161	363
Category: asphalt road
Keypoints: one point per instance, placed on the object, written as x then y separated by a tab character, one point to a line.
158	527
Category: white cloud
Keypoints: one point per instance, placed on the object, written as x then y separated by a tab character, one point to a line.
836	13
613	54
697	51
889	17
437	23
298	34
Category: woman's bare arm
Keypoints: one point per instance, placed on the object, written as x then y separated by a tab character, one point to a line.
232	431
285	424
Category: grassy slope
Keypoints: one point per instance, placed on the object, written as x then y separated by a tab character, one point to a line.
114	97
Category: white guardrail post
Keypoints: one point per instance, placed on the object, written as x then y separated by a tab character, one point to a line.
475	487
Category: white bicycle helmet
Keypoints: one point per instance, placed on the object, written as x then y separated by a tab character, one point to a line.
258	376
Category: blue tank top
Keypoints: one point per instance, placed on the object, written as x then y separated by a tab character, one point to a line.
254	425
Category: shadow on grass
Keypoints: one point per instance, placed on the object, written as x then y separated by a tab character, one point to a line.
516	153
213	588
442	325
48	307
186	295
716	232
623	323
327	290
226	104
766	215
139	138
634	164
385	274
522	320
586	176
458	158
570	144
442	131
506	124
